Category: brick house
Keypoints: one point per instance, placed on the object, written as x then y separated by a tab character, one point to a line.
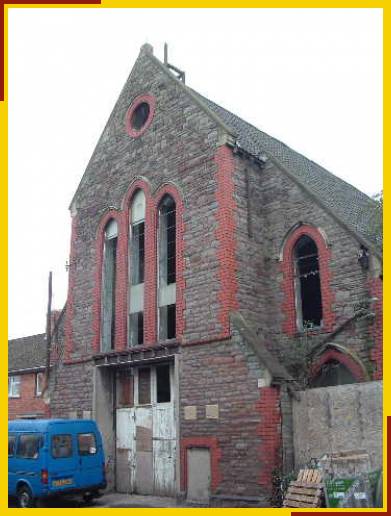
26	366
213	271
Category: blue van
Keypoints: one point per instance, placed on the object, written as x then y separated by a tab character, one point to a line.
51	457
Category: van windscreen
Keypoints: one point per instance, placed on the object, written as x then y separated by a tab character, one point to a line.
61	446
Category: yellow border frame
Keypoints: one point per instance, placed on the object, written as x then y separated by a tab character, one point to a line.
4	188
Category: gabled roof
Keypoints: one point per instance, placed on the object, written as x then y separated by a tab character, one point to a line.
27	353
356	210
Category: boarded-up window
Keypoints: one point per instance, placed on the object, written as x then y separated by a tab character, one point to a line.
125	390
108	286
309	298
144	386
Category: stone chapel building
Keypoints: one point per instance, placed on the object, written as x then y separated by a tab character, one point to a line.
213	272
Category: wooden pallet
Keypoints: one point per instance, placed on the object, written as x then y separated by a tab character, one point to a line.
306	491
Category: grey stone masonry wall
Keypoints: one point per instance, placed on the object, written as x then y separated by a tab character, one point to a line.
177	148
339	419
72	392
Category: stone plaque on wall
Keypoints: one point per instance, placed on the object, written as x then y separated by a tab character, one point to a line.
212	411
190	412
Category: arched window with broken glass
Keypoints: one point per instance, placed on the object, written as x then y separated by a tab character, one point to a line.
137	269
108	285
167	268
308	286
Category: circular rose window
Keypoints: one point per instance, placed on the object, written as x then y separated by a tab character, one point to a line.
139	115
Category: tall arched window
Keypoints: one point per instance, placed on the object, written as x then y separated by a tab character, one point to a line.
167	268
137	262
108	285
308	290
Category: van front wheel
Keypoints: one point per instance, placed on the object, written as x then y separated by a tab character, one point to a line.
25	498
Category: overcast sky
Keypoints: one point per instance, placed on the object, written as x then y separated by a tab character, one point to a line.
312	78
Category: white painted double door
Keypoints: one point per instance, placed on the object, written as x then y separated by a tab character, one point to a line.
146	449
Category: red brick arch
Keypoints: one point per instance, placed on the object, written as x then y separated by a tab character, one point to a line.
288	281
348	361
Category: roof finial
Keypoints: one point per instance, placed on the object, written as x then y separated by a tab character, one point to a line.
147	48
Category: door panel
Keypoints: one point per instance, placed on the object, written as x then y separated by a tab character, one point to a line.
164	449
125	450
198	475
144	458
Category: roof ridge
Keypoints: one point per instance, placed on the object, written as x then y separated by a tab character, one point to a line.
350	207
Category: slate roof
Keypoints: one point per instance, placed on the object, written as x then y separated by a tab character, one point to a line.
27	352
356	210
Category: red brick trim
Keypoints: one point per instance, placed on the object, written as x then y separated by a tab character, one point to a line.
376	290
150	262
97	294
215	455
288	282
68	342
225	235
269	431
180	262
148	99
332	354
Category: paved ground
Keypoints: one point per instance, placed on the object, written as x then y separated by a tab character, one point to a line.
109	500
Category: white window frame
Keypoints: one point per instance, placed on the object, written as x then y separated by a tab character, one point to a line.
39	379
14	383
153	385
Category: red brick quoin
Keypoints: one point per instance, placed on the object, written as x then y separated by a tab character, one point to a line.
225	234
269	431
215	455
288	282
376	290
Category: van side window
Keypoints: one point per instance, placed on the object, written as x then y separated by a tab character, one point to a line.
28	446
61	446
11	445
87	444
